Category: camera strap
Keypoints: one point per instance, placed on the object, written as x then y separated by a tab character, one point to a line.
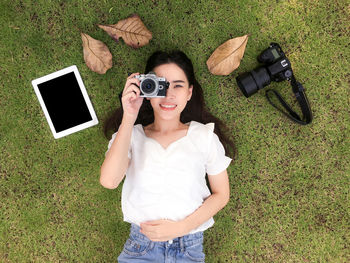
299	93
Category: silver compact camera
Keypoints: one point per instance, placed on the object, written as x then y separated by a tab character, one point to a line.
152	86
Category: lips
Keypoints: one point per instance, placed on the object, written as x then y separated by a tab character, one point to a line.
167	107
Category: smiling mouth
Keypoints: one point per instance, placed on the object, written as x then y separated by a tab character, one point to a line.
167	107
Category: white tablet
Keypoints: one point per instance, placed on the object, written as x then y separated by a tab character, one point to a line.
65	102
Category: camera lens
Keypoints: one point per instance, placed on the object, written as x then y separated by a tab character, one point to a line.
148	86
251	82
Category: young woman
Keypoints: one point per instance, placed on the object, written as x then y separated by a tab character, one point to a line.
166	147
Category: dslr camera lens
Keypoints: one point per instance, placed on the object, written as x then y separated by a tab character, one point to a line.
251	82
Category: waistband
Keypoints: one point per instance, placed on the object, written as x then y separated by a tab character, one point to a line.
182	242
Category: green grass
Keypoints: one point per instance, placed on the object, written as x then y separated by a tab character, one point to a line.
289	183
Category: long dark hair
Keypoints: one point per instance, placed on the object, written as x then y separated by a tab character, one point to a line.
195	109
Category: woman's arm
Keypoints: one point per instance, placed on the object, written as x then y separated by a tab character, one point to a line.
162	230
116	162
220	196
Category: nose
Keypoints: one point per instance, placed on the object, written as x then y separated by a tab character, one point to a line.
170	93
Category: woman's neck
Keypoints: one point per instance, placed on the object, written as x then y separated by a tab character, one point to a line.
165	126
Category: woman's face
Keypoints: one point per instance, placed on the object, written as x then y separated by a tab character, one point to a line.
177	95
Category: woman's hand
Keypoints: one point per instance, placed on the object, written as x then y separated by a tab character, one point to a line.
131	100
163	230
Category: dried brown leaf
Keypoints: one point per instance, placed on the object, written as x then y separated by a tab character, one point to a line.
96	54
132	30
227	57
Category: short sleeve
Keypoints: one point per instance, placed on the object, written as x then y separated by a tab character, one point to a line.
111	142
216	159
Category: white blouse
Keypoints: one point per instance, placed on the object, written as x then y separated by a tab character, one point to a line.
170	183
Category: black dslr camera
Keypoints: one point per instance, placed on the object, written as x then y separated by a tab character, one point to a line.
276	68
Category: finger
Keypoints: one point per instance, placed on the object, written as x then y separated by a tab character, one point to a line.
131	82
154	236
144	227
128	97
133	75
139	100
133	87
153	222
131	97
149	229
135	80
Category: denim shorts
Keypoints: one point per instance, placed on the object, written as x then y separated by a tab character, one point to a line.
138	248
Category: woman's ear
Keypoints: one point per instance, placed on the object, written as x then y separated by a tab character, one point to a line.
190	89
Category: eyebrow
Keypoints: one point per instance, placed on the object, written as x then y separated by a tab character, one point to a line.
178	81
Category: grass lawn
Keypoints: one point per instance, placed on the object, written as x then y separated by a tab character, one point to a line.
289	183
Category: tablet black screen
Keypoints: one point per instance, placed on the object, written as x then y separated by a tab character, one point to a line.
64	102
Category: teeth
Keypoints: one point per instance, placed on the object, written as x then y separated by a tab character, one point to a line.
168	106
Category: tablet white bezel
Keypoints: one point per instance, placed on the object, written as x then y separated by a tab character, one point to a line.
56	74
